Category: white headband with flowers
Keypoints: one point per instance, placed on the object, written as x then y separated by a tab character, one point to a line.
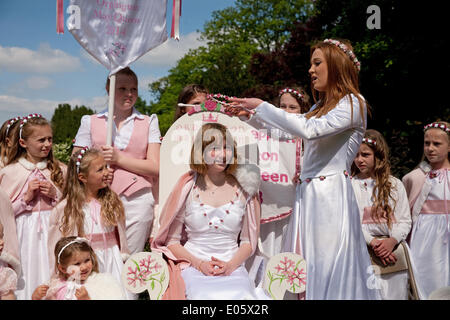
437	125
10	123
289	90
25	120
80	157
369	141
346	50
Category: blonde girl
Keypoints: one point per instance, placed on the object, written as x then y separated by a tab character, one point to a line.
33	181
428	189
210	222
133	156
77	275
91	209
384	209
324	227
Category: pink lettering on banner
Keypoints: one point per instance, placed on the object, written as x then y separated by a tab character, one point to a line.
266	156
274	177
117	5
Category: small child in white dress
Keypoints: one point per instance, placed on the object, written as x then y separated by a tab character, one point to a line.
92	210
78	276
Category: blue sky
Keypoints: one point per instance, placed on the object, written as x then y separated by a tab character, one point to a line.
40	69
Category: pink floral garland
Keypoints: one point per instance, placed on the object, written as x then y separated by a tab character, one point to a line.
346	50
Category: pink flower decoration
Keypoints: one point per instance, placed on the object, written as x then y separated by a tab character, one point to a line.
210	105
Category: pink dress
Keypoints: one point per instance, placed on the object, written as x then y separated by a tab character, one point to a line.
8	279
32	222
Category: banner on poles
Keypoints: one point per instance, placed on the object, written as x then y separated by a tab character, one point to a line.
118	32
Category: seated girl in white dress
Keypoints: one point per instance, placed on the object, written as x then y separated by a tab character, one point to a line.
210	223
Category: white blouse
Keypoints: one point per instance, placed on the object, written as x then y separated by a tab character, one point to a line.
121	138
402	215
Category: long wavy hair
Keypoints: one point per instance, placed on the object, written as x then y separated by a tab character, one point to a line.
9	139
382	191
343	80
17	151
112	210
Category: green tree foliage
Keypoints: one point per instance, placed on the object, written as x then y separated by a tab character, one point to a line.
397	76
66	121
395	66
232	36
256	47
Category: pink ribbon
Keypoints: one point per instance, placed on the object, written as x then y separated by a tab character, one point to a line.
176	14
59	16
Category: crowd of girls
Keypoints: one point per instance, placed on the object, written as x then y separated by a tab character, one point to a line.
67	229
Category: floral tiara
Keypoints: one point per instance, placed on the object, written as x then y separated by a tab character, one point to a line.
346	50
371	142
80	157
10	123
289	90
437	125
25	120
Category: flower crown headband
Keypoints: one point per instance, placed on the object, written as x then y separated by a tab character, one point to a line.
10	123
289	90
438	126
80	157
25	120
346	50
76	240
371	142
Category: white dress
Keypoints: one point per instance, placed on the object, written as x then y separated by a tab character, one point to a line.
214	232
325	227
32	223
430	237
394	286
103	241
140	205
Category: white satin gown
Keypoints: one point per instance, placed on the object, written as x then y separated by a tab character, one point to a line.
430	237
214	232
325	226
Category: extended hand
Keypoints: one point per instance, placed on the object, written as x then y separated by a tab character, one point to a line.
249	103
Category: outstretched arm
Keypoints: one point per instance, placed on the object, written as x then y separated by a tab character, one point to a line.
336	120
